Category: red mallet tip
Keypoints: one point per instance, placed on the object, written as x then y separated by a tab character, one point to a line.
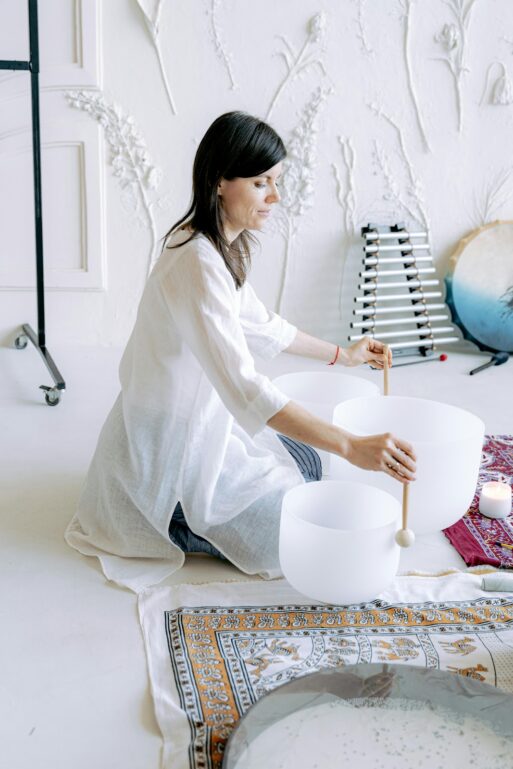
443	356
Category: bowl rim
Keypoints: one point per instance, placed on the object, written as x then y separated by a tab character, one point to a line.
295	489
332	374
479	429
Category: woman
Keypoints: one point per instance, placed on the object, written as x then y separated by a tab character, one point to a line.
190	457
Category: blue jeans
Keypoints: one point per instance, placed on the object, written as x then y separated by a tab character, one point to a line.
309	465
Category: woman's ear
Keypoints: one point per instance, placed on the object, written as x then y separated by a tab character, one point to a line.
220	188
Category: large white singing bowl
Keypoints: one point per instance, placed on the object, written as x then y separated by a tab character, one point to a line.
337	540
447	441
319	392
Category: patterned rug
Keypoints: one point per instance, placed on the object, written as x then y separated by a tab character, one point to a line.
214	649
473	535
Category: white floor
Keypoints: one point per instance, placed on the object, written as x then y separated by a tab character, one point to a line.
73	687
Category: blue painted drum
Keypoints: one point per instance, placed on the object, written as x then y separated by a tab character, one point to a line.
480	286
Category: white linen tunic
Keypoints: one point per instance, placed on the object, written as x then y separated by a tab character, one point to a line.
189	425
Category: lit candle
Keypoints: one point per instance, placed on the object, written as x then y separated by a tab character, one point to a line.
495	499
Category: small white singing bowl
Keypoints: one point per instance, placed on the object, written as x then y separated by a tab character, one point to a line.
319	392
337	541
447	441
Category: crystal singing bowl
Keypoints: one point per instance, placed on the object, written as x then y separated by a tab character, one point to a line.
337	540
319	392
447	442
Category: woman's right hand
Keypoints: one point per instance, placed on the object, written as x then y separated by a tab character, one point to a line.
373	452
384	453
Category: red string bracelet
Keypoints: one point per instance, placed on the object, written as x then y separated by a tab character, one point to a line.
332	362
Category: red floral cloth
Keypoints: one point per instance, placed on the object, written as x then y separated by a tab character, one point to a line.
473	534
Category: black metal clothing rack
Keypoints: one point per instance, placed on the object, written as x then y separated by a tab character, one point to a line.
52	394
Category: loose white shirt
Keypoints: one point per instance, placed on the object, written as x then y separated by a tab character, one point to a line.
189	425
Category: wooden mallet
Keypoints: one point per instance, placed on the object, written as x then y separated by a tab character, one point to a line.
385	371
404	537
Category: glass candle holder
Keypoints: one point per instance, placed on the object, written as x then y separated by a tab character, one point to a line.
495	499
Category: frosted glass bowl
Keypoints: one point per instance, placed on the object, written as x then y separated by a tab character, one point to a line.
447	441
319	392
337	540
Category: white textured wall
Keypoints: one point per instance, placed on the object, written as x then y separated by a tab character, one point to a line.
361	58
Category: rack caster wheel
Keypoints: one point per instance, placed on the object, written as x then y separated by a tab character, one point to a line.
52	395
21	342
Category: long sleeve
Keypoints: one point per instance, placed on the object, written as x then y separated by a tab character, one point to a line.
267	334
203	303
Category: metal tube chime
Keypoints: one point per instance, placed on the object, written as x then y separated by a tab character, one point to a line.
395	274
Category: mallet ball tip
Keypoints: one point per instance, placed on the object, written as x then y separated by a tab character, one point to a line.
405	537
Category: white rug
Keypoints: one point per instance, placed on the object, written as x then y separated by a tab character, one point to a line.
214	649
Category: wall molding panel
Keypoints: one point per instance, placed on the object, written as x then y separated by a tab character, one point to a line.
76	61
73	225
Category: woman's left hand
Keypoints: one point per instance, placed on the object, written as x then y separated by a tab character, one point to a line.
367	350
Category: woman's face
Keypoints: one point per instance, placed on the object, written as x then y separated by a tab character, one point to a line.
246	201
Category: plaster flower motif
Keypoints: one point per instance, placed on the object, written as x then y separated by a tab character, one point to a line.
153	178
297	184
318	27
453	39
217	36
502	92
408	194
449	37
152	20
297	62
129	158
407	6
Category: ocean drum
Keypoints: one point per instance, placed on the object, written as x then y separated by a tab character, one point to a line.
447	441
319	392
337	541
480	285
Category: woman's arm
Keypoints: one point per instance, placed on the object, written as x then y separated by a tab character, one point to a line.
366	350
374	452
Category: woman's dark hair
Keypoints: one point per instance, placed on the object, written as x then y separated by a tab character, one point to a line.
235	145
